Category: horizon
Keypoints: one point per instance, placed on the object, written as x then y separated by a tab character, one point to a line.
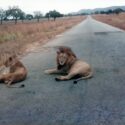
64	7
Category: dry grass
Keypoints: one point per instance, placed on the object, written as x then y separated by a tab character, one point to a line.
17	37
113	19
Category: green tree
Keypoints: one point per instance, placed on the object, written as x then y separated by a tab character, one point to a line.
2	15
97	12
47	15
54	14
15	12
22	16
29	16
109	11
118	10
102	12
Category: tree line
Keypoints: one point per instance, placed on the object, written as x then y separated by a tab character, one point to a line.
15	13
109	11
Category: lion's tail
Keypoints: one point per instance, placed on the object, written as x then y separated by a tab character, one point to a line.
82	78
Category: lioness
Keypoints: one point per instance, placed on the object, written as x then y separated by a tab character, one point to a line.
17	72
68	63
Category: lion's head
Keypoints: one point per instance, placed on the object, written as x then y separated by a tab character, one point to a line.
65	57
5	54
10	61
6	61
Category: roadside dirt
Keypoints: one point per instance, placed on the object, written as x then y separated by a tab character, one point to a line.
25	38
117	20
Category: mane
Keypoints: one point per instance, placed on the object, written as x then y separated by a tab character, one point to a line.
71	57
67	50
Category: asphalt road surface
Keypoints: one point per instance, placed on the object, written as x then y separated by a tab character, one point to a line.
97	101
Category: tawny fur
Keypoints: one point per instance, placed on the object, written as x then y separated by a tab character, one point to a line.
68	63
17	72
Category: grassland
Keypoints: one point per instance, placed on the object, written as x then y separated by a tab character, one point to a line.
117	20
22	35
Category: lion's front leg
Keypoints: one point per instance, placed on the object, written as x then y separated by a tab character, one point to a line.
8	83
7	79
63	78
52	71
3	77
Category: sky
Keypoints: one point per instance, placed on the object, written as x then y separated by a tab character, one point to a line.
63	6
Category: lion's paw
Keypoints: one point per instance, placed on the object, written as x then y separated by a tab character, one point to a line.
46	72
57	79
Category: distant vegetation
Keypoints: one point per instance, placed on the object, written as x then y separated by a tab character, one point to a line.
115	11
108	10
15	13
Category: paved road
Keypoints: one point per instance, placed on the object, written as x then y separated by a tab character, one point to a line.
98	101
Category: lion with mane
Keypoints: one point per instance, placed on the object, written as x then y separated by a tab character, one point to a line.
69	64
